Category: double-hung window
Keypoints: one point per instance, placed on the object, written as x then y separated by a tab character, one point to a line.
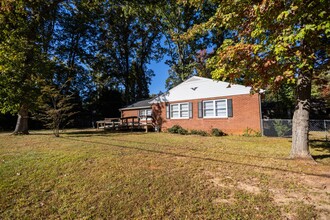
180	110
215	109
145	112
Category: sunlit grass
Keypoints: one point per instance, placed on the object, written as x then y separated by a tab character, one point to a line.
92	174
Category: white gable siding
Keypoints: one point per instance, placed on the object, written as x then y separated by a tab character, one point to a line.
201	88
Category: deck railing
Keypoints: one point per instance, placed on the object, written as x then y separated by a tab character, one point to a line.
126	123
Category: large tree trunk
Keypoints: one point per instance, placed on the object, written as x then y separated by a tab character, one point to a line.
300	126
22	121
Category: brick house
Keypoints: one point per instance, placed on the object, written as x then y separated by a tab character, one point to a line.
202	104
140	109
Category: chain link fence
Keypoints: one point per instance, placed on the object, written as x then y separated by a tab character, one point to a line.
283	127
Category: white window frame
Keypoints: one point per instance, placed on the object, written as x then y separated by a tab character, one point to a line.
214	109
179	110
145	113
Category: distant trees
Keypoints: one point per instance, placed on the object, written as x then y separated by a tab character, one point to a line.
185	55
128	39
83	47
73	43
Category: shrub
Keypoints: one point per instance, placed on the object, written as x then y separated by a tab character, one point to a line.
194	131
217	132
203	133
182	131
174	129
257	134
177	129
249	132
199	132
281	128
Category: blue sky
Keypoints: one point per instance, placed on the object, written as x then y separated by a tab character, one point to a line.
158	81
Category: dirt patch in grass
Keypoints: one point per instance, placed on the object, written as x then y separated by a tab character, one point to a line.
299	196
315	193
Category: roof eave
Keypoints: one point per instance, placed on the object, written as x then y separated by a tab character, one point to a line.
133	108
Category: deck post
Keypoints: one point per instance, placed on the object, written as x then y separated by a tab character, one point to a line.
139	123
132	125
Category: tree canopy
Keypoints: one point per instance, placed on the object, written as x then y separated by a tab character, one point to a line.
85	47
184	55
25	30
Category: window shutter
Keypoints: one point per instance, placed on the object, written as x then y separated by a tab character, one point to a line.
200	109
168	113
190	110
230	107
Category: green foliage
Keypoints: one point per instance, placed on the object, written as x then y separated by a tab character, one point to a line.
177	129
128	38
56	109
281	128
184	57
269	42
174	129
249	132
194	131
23	38
217	132
94	45
321	87
199	132
284	94
182	131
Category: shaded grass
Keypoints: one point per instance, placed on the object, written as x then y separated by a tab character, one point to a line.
92	174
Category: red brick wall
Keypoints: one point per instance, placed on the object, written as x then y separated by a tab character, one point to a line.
129	113
246	113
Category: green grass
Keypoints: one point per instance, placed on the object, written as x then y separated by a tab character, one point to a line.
92	174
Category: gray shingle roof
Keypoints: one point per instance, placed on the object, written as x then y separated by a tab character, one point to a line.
139	104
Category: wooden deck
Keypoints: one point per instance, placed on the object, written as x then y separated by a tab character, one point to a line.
126	123
107	122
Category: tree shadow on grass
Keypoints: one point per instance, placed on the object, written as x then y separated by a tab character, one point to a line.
192	148
202	158
107	131
77	133
322	146
320	143
88	132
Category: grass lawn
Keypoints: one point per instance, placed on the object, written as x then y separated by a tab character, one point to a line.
91	174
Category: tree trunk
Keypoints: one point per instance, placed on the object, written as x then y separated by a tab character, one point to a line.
300	126
56	130
22	121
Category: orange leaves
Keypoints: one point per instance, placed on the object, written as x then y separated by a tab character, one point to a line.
6	6
278	78
241	61
268	63
270	42
326	92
